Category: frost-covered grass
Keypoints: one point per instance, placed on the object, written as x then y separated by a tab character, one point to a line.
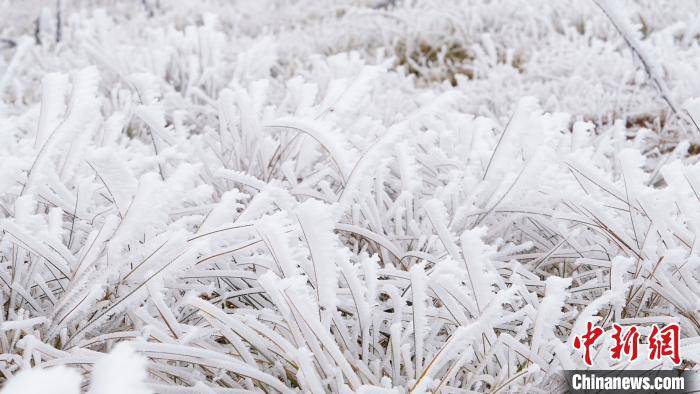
361	196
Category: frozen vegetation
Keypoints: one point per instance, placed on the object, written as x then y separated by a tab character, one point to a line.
344	196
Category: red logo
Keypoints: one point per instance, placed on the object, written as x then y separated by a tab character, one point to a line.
626	344
587	340
662	342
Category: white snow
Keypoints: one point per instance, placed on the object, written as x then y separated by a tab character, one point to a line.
59	380
349	196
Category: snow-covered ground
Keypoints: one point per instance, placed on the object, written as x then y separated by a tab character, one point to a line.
343	196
